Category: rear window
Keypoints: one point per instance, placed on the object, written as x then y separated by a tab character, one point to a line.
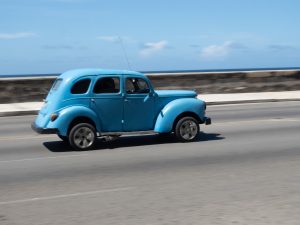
56	84
81	87
107	85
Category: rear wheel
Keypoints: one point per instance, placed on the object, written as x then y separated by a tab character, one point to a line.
82	136
187	129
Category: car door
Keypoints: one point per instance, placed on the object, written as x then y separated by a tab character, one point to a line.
138	104
107	102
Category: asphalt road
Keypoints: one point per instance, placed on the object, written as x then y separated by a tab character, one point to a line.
245	169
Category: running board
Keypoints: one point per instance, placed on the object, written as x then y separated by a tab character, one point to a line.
127	133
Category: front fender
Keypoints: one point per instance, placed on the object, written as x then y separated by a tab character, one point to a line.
167	116
67	115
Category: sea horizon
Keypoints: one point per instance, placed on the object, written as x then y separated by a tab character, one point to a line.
168	71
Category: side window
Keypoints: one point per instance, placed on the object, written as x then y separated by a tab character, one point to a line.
81	87
136	86
107	85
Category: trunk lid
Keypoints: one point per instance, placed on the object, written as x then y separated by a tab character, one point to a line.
166	96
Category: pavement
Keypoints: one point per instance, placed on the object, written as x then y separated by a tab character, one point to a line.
250	97
244	169
29	108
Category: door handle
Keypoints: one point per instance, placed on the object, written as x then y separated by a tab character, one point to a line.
126	100
92	100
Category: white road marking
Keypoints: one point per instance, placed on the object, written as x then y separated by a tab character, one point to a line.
39	158
78	194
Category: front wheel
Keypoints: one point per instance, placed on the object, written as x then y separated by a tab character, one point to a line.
187	129
82	136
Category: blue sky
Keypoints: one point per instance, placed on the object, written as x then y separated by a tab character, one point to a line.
50	36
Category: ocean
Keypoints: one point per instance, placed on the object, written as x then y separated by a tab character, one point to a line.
171	71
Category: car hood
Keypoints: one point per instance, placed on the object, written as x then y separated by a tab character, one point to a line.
176	93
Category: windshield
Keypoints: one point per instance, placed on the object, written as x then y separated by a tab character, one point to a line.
56	84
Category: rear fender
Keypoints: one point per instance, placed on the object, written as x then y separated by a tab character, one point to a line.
167	116
67	115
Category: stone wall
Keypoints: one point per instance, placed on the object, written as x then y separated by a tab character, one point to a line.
29	89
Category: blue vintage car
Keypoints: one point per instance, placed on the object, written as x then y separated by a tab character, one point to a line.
84	104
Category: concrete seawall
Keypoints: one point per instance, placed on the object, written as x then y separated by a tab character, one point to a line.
29	89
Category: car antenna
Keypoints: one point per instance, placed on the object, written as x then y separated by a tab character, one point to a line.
125	53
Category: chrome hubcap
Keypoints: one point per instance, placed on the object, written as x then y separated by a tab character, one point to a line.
188	130
84	137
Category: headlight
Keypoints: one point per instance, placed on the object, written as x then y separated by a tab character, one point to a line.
53	116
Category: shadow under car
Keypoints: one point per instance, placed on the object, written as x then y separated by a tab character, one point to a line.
130	141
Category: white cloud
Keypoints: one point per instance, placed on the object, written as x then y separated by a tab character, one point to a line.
217	51
153	47
222	50
11	36
109	38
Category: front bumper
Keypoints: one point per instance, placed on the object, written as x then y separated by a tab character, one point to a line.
207	120
41	130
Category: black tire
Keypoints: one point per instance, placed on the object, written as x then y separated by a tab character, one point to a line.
187	129
63	138
82	136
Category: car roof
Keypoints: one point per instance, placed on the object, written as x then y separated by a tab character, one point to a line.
74	74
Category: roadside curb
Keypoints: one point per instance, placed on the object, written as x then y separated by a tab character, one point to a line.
211	103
